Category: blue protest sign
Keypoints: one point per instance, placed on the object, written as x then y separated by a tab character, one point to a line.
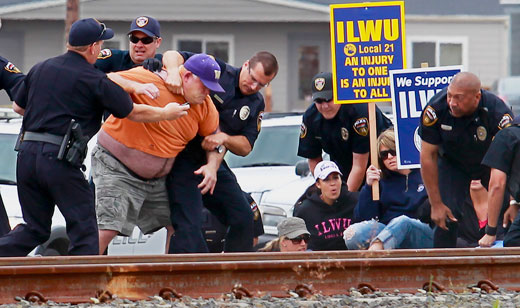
411	90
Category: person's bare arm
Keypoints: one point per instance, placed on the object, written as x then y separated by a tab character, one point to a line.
359	166
171	61
497	184
131	86
209	171
430	175
238	145
145	113
18	109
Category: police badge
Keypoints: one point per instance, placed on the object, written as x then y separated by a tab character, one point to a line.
319	83
481	133
141	21
344	133
429	116
244	113
361	126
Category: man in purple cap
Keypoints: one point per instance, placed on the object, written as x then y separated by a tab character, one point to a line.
136	157
62	100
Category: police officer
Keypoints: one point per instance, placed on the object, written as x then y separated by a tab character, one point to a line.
144	40
456	128
240	112
339	130
56	91
10	75
503	157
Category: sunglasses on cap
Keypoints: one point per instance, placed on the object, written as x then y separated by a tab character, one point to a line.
304	237
384	154
322	100
103	30
145	40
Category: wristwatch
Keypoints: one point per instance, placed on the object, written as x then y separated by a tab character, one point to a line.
220	149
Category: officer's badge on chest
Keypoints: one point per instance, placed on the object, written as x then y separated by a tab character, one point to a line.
361	126
344	133
481	133
244	112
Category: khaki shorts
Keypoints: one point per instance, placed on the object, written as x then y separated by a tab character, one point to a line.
124	201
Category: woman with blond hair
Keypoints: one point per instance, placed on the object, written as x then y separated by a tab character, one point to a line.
292	236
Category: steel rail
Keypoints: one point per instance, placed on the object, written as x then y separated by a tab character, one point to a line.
78	279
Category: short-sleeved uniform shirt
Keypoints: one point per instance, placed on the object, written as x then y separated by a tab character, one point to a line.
464	141
115	60
341	136
68	87
238	114
165	138
10	75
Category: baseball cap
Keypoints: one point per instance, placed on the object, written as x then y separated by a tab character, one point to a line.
87	31
148	25
324	168
322	86
207	69
292	227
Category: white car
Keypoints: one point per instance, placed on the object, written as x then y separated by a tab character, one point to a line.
269	173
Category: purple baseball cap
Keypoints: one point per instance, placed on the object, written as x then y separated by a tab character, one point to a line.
207	69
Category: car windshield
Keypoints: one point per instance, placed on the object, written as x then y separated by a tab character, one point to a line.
275	146
8	156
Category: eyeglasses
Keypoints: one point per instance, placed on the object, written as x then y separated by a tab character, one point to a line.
384	154
299	239
322	100
104	29
145	40
255	81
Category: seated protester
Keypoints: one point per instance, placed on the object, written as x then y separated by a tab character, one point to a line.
292	236
328	210
474	210
402	197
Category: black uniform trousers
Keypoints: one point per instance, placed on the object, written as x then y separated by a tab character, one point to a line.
227	203
43	182
4	220
454	188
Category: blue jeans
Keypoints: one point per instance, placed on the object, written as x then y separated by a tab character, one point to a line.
401	232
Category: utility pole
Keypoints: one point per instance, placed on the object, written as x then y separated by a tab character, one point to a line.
71	16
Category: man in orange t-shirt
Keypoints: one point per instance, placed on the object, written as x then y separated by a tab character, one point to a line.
131	159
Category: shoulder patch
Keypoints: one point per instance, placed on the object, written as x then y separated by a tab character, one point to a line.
259	120
105	53
303	131
429	116
256	211
11	68
505	121
361	126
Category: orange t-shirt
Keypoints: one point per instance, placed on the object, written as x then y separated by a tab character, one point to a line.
165	138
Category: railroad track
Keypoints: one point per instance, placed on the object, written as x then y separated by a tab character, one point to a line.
78	279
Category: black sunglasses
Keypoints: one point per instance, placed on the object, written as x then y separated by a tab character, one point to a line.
146	40
322	100
384	154
299	239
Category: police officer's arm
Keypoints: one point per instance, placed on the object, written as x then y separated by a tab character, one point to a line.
355	178
430	175
130	86
496	189
18	109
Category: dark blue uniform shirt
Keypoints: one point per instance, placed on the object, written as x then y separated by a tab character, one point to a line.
63	88
114	60
341	136
9	76
464	141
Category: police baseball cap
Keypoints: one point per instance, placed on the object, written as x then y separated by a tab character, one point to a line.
324	168
87	31
292	227
148	25
207	69
322	86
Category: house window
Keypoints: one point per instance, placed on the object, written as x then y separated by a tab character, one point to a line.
221	47
437	52
114	43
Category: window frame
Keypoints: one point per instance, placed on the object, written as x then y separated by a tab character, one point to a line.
438	40
205	38
121	39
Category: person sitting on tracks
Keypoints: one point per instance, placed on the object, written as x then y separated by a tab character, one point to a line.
292	236
403	200
131	160
327	210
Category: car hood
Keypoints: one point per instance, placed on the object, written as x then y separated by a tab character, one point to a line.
260	179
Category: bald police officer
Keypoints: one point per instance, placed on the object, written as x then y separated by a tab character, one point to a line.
457	126
54	93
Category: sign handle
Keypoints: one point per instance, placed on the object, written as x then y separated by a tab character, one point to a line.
373	146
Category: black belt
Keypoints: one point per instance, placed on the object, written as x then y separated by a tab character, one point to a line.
43	137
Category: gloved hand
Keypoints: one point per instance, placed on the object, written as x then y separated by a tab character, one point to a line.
152	64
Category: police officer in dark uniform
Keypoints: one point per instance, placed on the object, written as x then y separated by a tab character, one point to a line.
62	100
339	130
10	75
456	128
144	40
240	113
503	157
